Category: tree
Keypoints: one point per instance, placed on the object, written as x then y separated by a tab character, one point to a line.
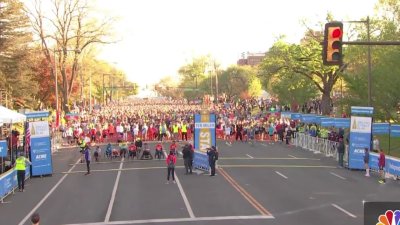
70	29
15	54
302	59
240	81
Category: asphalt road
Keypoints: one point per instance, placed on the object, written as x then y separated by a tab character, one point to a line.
261	184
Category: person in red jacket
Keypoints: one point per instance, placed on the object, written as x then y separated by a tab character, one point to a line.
172	148
171	161
159	151
381	164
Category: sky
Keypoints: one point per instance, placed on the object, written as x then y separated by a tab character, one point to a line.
157	37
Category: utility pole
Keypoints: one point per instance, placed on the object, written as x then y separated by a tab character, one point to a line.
369	65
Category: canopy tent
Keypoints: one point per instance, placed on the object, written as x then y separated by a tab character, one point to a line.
9	116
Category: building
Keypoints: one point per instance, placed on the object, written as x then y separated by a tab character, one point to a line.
251	59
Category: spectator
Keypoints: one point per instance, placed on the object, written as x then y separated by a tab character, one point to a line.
35	219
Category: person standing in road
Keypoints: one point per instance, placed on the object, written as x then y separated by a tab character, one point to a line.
212	158
87	159
381	165
366	161
187	158
340	150
20	167
171	161
35	219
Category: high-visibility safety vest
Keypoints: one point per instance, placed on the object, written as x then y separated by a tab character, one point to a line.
20	163
175	128
163	129
184	128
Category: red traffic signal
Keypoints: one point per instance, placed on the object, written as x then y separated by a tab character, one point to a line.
332	46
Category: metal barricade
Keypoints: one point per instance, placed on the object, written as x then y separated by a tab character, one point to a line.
316	145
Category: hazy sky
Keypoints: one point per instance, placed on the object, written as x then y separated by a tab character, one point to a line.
159	36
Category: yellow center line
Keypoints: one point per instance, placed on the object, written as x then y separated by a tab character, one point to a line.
245	194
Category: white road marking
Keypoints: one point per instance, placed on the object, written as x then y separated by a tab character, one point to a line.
292	156
264	145
280	174
345	211
111	204
47	195
172	220
185	199
336	175
251	157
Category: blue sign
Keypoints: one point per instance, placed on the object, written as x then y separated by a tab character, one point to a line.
327	122
204	138
395	130
41	156
318	119
286	115
295	116
362	110
8	182
3	148
360	138
200	161
342	122
393	166
38	114
380	128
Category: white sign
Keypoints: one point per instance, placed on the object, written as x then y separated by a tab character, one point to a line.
361	124
39	129
204	125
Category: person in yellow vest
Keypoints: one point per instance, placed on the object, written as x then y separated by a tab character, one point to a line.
20	167
175	131
184	131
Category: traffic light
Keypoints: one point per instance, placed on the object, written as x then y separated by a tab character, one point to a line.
332	49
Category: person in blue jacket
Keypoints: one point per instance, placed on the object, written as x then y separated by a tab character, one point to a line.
87	159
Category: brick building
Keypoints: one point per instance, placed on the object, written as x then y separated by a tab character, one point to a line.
252	59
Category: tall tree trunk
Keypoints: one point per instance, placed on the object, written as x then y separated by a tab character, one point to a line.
326	102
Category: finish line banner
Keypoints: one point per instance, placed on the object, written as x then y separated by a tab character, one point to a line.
204	137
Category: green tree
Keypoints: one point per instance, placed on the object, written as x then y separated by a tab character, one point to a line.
304	60
240	81
15	54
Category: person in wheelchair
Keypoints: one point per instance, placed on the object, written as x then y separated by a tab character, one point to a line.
123	148
159	151
115	153
139	145
146	152
132	151
97	153
108	151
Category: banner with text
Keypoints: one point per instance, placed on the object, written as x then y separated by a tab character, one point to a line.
204	137
360	138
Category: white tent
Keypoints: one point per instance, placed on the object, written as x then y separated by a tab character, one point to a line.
9	116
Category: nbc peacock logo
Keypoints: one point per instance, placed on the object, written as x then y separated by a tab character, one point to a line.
389	218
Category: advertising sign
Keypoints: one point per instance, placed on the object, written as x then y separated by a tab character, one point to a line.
3	148
360	138
380	128
41	156
395	131
204	137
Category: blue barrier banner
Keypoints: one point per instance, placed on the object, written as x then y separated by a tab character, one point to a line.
200	161
342	122
318	119
37	114
308	118
3	148
296	116
395	131
286	115
393	166
360	138
41	156
327	122
8	181
359	110
373	161
380	128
